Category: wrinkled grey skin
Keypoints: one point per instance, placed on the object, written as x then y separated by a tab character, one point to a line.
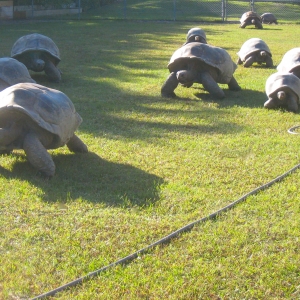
200	63
251	18
283	91
12	72
268	18
38	53
255	50
36	118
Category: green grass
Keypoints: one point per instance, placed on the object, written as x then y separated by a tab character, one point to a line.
154	166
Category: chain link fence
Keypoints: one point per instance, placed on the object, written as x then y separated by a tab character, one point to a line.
286	11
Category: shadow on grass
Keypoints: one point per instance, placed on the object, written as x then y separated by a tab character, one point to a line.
243	98
91	178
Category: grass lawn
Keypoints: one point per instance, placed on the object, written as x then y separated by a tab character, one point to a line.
154	165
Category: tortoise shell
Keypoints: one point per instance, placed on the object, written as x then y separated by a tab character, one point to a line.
193	53
35	42
12	71
251	46
40	106
290	60
277	81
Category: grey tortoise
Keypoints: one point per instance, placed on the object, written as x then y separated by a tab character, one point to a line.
251	18
268	18
200	63
38	53
36	118
283	91
290	62
12	72
196	35
255	50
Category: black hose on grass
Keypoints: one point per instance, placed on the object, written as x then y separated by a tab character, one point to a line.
167	238
292	129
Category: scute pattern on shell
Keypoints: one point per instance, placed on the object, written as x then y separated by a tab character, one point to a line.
211	55
251	46
290	60
50	109
12	71
35	42
278	80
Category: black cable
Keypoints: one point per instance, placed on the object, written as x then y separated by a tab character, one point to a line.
292	129
167	238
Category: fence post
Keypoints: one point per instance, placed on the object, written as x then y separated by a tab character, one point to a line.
224	10
79	8
124	9
252	5
174	10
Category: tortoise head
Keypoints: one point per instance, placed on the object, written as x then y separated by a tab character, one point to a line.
263	53
185	77
281	95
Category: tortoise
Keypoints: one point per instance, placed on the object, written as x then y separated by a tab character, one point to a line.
12	72
290	62
196	35
268	18
38	53
283	90
36	118
251	18
255	50
201	63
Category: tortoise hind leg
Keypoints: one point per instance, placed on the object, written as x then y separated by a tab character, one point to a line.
233	85
38	156
169	86
75	144
52	71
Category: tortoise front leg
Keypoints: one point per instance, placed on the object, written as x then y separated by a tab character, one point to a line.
38	156
292	102
52	71
271	103
239	61
211	85
75	144
169	86
249	61
269	61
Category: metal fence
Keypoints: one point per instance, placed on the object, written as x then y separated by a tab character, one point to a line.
168	10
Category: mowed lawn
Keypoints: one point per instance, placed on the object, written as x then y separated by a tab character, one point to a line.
154	165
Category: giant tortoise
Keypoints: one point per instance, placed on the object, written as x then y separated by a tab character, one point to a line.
38	53
268	18
12	72
201	63
283	91
255	50
196	35
290	62
251	18
36	118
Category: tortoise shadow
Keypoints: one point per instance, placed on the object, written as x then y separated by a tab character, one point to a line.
244	98
90	178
